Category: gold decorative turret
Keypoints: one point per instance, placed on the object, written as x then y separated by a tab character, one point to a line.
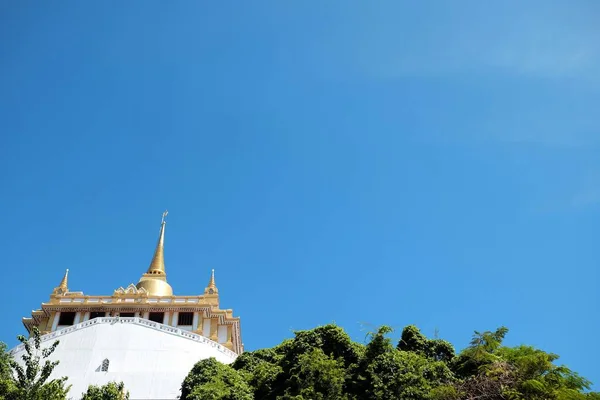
154	281
63	287
212	287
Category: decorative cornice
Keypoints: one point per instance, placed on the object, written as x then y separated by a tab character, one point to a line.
125	296
130	290
206	310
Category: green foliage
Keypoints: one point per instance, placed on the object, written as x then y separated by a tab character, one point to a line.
312	365
110	391
5	372
380	344
316	376
331	339
404	375
388	373
31	382
211	380
445	392
7	386
325	364
261	369
488	368
537	377
480	353
436	349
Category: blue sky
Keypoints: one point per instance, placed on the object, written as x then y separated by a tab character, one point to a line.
365	163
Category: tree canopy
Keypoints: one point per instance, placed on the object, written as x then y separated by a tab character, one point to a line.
211	380
31	381
110	391
325	364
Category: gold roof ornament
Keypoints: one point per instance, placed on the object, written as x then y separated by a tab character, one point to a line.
154	281
212	286
63	287
151	294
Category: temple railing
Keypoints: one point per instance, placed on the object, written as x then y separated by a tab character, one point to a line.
135	321
116	300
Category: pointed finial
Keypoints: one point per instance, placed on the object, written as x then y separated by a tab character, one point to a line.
211	283
63	287
212	286
164	215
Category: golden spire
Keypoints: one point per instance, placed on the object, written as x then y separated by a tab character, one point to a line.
212	286
157	265
155	279
63	287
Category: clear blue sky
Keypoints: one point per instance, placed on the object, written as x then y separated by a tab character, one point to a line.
431	163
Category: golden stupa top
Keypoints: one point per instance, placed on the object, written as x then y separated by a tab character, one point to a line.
157	265
151	294
212	286
154	281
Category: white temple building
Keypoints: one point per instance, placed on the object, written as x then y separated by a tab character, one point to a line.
142	335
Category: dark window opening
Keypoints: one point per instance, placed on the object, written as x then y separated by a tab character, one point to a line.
185	318
157	317
97	314
127	314
66	318
105	364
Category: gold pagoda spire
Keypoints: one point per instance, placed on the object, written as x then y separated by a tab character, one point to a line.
212	286
63	287
155	279
157	265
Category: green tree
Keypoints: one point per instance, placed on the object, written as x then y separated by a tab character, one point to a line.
211	380
480	353
487	369
261	369
331	339
537	377
325	364
414	341
314	364
404	375
316	376
31	382
388	373
7	385
110	391
5	371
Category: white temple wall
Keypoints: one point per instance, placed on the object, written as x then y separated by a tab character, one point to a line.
150	361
